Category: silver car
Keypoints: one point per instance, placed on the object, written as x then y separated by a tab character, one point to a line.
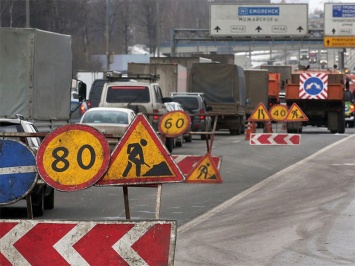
109	120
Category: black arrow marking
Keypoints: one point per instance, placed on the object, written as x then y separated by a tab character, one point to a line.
300	29
217	28
333	31
259	29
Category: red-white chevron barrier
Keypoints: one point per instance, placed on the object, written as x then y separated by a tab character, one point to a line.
31	242
274	139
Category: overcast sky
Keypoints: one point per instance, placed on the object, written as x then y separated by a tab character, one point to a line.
314	4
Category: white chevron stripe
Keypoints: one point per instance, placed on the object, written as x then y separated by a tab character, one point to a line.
124	246
179	158
65	245
7	243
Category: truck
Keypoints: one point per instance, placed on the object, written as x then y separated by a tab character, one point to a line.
184	61
284	71
35	90
257	84
224	90
172	77
320	96
88	77
35	76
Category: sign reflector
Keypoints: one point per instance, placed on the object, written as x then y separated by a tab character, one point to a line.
141	158
87	242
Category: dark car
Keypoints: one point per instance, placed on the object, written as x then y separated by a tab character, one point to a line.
95	92
195	104
42	195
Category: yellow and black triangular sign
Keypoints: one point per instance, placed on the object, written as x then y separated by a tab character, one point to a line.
295	114
260	114
141	158
205	171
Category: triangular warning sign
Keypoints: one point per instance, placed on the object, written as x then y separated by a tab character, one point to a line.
295	114
205	171
260	114
141	158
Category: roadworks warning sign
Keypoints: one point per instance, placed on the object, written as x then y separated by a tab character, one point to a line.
141	158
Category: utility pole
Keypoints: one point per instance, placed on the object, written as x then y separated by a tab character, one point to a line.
28	14
107	36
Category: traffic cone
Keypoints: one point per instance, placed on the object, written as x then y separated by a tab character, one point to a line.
247	134
253	127
284	127
268	127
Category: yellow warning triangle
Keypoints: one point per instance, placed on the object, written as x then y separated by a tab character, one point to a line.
260	114
295	114
205	171
141	158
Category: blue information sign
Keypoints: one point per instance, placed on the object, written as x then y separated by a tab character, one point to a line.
18	172
343	11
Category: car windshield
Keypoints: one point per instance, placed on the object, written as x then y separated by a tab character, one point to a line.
189	103
128	94
112	117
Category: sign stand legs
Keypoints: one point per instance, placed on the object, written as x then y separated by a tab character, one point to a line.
126	202
29	206
158	203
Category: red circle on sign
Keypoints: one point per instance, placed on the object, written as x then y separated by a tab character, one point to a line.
73	157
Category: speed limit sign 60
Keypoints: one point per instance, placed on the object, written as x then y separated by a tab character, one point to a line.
174	123
73	157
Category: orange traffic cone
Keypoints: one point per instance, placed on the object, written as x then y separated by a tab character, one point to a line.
268	127
253	127
247	134
284	127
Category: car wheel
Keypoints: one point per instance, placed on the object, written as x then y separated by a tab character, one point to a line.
169	144
49	200
179	143
188	138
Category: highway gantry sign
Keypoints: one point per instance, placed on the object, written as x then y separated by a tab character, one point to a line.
340	42
258	20
18	173
174	123
32	242
73	157
141	158
339	20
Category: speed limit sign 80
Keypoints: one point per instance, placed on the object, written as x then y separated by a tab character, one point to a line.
73	157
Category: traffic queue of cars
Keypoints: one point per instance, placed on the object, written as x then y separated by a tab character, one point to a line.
142	94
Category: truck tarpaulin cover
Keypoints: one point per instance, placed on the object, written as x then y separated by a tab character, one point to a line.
35	74
218	82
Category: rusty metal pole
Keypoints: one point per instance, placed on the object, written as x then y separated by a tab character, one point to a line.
126	202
